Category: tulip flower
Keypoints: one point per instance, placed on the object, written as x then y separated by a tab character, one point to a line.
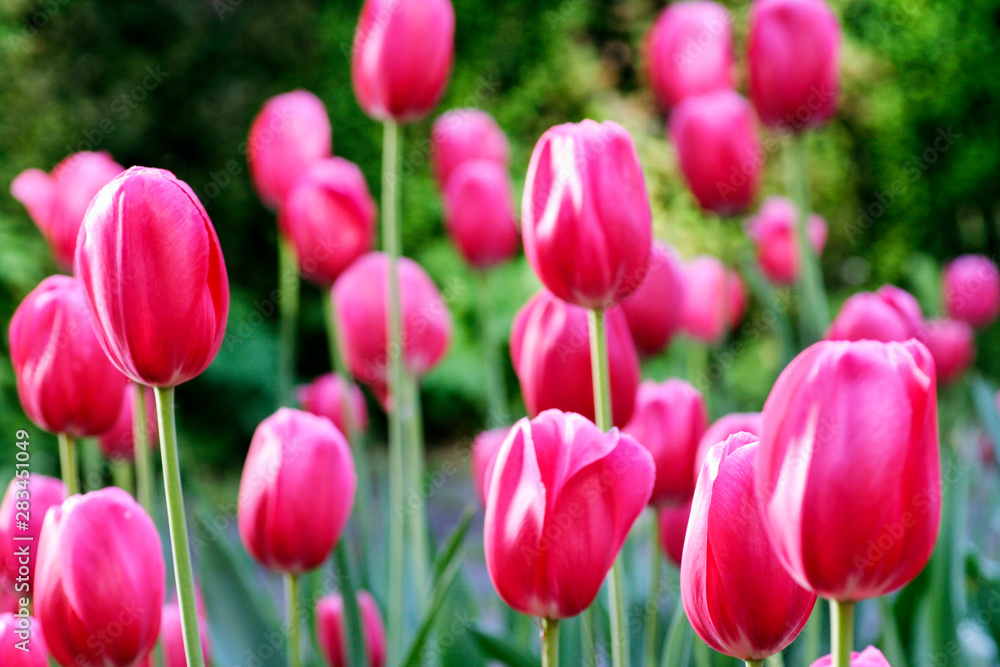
849	475
464	135
18	534
952	343
402	57
325	397
774	233
550	350
562	498
689	51
669	420
118	442
100	567
10	602
714	300
22	643
890	314
331	630
736	593
654	310
718	149
972	290
585	215
57	202
172	638
870	657
484	455
721	429
673	522
291	131
793	52
479	213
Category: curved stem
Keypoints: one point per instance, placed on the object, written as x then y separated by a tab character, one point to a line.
841	632
68	465
550	642
143	460
292	610
653	605
288	304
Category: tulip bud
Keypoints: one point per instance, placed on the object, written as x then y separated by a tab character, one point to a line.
654	310
154	276
562	499
550	350
100	566
870	657
793	51
890	314
774	233
325	397
849	475
714	299
290	132
585	214
64	379
22	643
689	51
296	492
479	213
718	149
484	455
331	629
673	522
721	429
19	534
402	57
463	135
952	343
118	442
172	637
736	593
57	202
972	290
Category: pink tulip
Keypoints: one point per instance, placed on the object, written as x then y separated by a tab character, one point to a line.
890	314
721	429
673	522
562	499
118	442
736	593
64	379
669	420
329	216
402	57
793	51
585	214
10	601
58	201
100	568
714	299
22	643
718	149
952	343
774	233
296	492
972	290
689	51
849	475
484	455
172	637
290	132
479	213
654	310
21	528
155	278
331	630
463	135
870	657
325	397
550	350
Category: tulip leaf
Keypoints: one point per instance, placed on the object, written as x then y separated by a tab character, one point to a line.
352	612
892	643
454	540
497	648
676	646
441	586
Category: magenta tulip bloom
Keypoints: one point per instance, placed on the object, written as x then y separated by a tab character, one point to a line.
291	131
331	630
479	213
329	216
849	475
714	299
870	657
793	51
774	233
325	397
718	149
155	278
118	442
669	420
100	567
57	202
22	643
721	429
673	522
890	314
464	135
483	456
972	290
655	309
689	51
585	214
64	379
550	350
19	534
562	499
296	492
952	343
402	57
172	637
736	593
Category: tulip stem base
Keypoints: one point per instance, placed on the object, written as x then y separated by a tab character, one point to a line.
653	605
288	304
754	663
143	460
550	642
68	464
841	632
292	618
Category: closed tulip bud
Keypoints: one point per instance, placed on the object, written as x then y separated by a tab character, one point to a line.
463	135
774	233
849	475
972	290
952	343
654	310
57	202
673	522
669	420
331	630
550	350
100	566
585	214
479	213
154	276
118	442
793	51
870	657
172	637
736	593
37	493
291	131
325	397
714	299
484	455
22	643
689	51
718	149
402	57
890	314
562	499
296	492
64	379
721	429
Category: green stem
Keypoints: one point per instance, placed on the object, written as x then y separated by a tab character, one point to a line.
841	632
496	392
143	460
183	571
288	304
550	642
415	504
754	663
352	611
292	607
121	474
68	465
653	606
